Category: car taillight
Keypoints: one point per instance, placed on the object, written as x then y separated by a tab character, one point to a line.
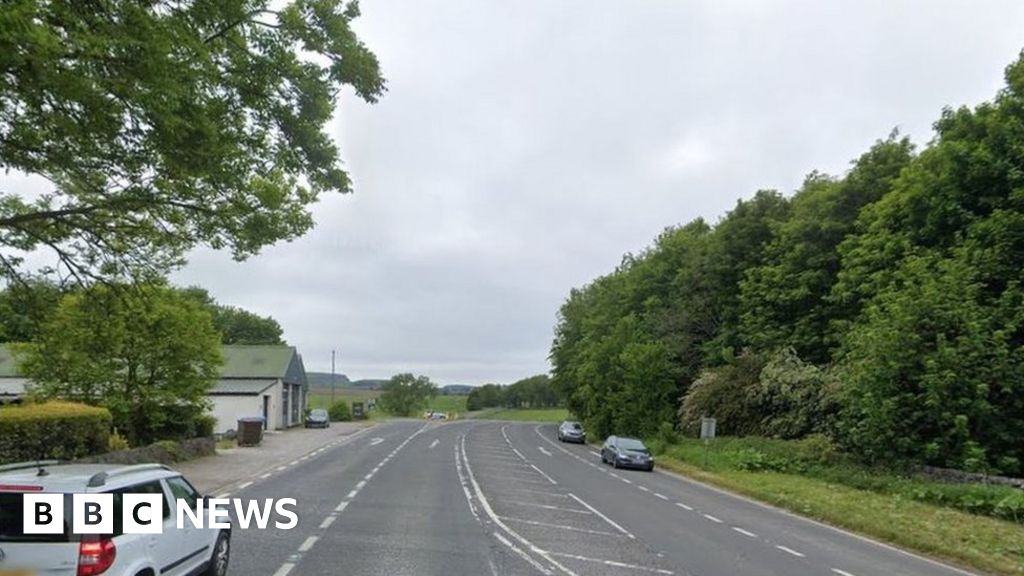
95	556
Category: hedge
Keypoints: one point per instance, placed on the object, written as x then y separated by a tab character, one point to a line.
53	430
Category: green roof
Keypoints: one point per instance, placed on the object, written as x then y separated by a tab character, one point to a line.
256	361
243	386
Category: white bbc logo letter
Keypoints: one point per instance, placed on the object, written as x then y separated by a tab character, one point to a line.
142	513
43	514
92	513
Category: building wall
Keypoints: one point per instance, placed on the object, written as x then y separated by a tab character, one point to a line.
228	409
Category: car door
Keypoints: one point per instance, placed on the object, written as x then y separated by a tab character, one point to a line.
157	547
196	544
608	450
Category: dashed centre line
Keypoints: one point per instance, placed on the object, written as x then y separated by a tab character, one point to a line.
308	543
791	551
712	518
744	532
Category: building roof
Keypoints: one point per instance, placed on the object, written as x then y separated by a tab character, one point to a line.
262	362
241	386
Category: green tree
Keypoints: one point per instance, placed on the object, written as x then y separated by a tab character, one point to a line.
144	352
163	128
24	307
405	394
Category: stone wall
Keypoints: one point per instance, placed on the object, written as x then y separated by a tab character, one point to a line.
164	452
961	477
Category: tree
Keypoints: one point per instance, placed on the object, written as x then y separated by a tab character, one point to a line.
235	325
161	128
144	352
404	394
24	307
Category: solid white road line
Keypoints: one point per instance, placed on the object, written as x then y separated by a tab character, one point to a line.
559	526
614	563
327	522
603	517
712	518
308	543
744	532
791	551
284	569
522	555
549	507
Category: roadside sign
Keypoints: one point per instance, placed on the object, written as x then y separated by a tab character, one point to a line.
357	411
707	428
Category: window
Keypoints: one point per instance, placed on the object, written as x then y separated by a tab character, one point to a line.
145	488
11	508
182	490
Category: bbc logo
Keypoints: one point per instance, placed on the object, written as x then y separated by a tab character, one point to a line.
93	513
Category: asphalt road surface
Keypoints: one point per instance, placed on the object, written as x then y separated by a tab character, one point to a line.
479	498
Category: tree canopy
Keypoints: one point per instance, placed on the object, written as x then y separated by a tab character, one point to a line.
882	307
404	394
160	127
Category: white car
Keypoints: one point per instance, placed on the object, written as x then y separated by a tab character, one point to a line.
186	551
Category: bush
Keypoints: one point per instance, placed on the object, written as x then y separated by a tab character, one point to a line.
340	412
54	430
205	425
116	443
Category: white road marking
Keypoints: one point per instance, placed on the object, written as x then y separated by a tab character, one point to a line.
223	495
341	507
520	454
244	485
541	492
522	554
549	507
376	441
541	472
744	532
712	518
559	526
308	543
360	484
603	517
614	563
626	480
544	450
434	443
519	480
282	468
293	462
662	496
368	476
841	572
684	506
598	454
790	551
352	494
327	522
284	569
265	476
644	488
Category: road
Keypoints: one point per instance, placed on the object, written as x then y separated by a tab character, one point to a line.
478	498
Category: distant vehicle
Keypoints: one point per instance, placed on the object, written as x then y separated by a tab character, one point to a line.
623	452
570	431
189	551
437	415
318	418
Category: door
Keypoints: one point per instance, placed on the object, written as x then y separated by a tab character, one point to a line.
266	410
196	544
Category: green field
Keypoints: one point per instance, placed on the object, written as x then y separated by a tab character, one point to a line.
801	477
321	398
527	415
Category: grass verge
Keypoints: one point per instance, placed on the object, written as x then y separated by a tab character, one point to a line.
977	542
528	415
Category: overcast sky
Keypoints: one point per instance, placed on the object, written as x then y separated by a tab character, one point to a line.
524	146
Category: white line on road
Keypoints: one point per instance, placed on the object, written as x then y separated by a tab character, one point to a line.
376	441
790	551
244	485
626	480
544	450
559	526
282	468
265	476
644	488
541	472
368	476
614	563
549	507
352	494
308	543
662	496
434	443
684	506
223	495
541	492
341	507
284	569
712	518
603	517
744	532
523	555
327	522
360	484
841	572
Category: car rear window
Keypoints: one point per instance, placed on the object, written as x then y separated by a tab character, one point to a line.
630	444
11	521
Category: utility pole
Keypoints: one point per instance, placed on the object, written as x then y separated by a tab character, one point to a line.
332	377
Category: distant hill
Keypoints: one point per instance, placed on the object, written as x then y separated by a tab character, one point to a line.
456	390
368	384
323	380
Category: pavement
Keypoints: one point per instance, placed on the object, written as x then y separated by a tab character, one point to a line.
411	498
211	474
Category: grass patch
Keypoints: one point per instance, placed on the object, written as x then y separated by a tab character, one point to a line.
321	398
807	478
528	415
225	444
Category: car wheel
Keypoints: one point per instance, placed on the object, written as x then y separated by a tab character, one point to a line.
221	555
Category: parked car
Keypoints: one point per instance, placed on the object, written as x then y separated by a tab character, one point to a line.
622	452
318	418
570	431
178	552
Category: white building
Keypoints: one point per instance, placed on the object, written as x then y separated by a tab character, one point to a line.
260	381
